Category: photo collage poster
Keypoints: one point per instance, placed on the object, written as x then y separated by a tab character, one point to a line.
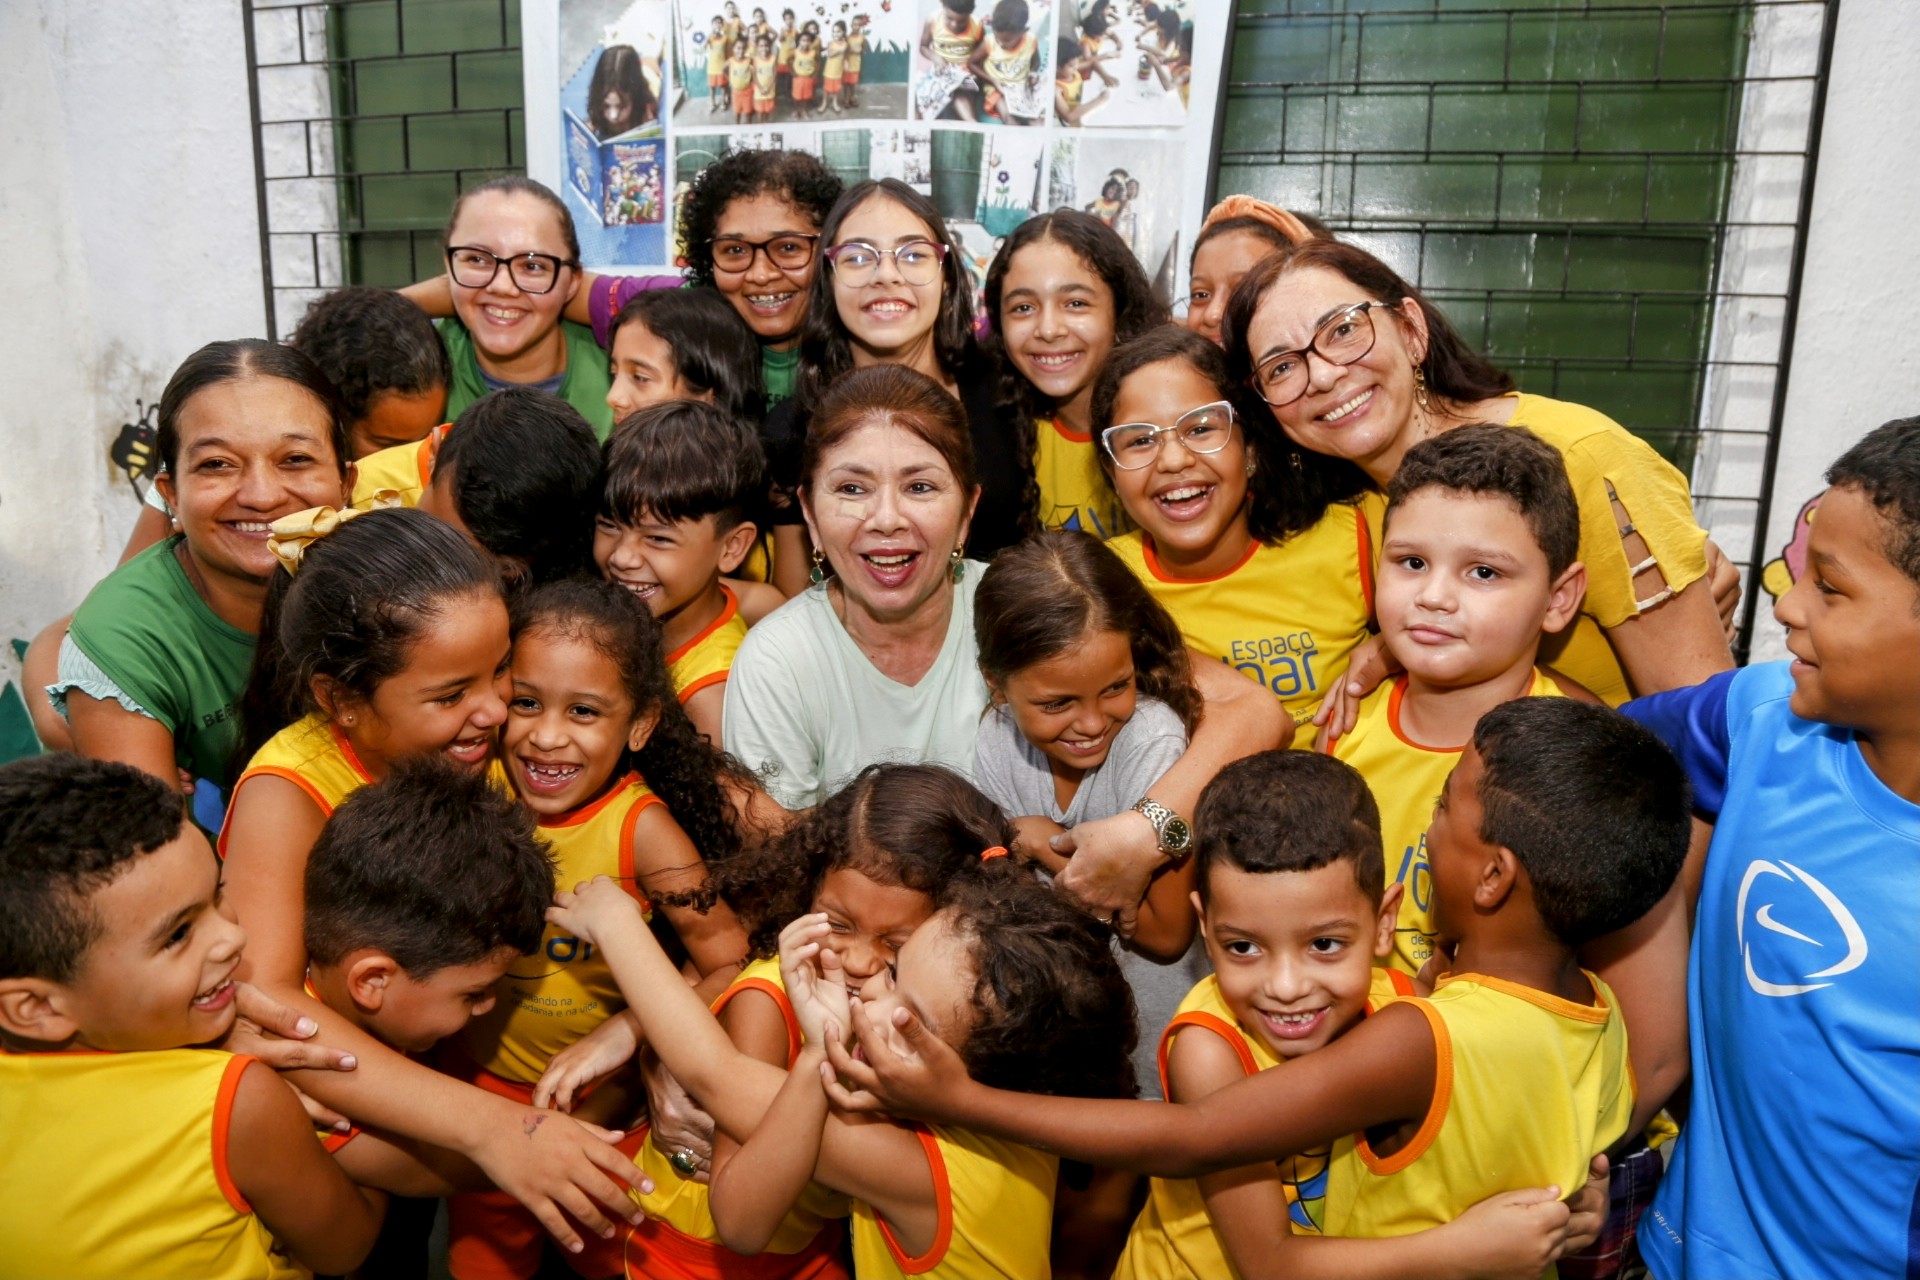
994	111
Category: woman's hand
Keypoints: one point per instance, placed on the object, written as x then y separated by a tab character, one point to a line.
907	1070
679	1125
587	1061
1109	865
281	1038
594	910
816	984
1369	664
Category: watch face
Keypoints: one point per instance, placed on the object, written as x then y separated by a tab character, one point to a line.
1176	835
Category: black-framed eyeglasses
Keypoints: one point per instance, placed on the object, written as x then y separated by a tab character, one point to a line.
856	261
789	251
474	268
1282	378
1133	445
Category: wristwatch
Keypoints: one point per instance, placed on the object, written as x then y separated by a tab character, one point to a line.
1175	833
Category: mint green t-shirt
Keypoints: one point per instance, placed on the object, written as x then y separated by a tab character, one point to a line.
147	628
778	370
584	385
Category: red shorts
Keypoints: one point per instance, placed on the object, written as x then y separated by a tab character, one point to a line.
742	102
803	88
658	1251
833	86
492	1236
762	106
852	77
717	82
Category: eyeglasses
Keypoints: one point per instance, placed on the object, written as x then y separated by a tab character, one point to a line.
789	251
1281	379
475	268
918	261
1133	445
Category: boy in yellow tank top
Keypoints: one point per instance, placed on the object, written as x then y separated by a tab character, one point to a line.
856	52
1563	822
129	1153
1477	564
680	511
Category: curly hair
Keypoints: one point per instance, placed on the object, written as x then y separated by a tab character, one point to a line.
1041	598
910	825
1052	1012
1135	311
680	765
825	350
370	342
1281	498
793	176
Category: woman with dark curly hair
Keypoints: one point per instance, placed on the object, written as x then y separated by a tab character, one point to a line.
1063	291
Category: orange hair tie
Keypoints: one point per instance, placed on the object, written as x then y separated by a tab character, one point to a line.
998	851
1274	216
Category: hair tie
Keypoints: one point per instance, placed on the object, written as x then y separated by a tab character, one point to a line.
290	536
1296	231
998	851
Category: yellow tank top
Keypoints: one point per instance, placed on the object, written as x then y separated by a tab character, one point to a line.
1073	492
705	660
996	1214
1173	1238
687	1206
740	73
717	57
1406	779
732	27
806	61
788	40
115	1165
956	49
1605	460
1528	1089
1071	85
405	469
1006	67
836	59
564	990
856	45
314	756
764	71
1287	617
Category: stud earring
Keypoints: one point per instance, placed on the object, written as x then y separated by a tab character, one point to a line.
818	574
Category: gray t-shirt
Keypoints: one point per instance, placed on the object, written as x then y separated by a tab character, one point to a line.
806	710
1014	775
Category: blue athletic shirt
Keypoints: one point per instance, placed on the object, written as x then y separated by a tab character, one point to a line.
1801	1153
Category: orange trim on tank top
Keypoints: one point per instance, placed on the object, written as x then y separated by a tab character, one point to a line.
773	991
726	616
1436	1109
222	1126
629	878
593	808
702	684
1069	434
1393	723
271	771
1153	563
943	1205
1210	1022
1596	1012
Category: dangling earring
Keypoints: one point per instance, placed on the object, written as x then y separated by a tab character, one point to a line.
818	574
1249	468
959	561
1294	458
1421	396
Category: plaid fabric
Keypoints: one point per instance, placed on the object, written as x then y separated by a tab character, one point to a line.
1630	1188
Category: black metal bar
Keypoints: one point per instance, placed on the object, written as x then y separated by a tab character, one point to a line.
259	170
1220	114
1788	327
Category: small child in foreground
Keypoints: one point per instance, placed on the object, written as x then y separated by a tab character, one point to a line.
128	1151
1478	559
1802	982
1563	822
1295	909
683	487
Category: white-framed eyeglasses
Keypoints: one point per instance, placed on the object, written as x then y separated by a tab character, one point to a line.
1133	445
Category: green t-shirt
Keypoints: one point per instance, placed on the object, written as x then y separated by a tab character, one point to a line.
149	630
584	385
778	369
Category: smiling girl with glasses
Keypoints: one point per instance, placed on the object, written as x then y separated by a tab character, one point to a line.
1214	546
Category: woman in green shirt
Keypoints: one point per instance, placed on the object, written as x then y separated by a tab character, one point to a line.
156	658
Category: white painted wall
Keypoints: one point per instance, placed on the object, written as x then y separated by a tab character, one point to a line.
1856	363
128	226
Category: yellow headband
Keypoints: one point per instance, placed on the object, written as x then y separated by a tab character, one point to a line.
290	536
1279	219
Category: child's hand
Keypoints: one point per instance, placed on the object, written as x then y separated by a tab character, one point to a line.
816	984
587	1061
1515	1235
594	910
1589	1207
904	1069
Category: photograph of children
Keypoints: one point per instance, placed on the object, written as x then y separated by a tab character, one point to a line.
1130	183
1126	66
985	62
611	86
753	65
